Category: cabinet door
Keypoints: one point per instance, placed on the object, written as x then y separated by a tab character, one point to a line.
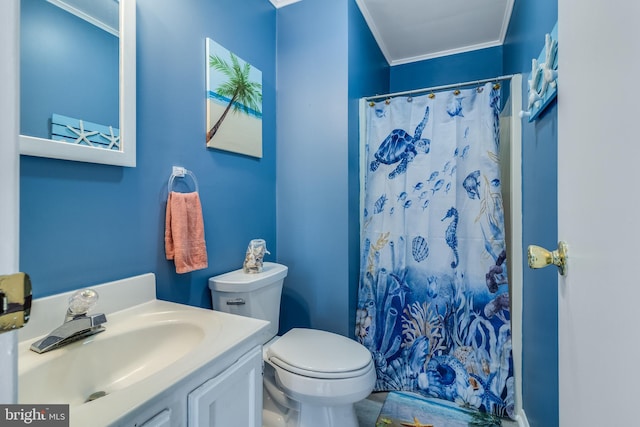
163	419
233	398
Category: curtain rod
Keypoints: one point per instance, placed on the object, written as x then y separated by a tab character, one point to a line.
431	89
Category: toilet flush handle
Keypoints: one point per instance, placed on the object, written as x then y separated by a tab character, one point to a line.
236	301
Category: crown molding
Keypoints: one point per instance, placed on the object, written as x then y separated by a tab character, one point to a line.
282	3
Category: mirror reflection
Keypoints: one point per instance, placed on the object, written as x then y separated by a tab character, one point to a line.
69	71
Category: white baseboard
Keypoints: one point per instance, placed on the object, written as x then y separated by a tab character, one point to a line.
521	419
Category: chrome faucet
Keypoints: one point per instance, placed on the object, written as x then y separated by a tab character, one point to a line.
77	324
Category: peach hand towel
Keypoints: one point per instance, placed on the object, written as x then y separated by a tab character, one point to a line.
184	232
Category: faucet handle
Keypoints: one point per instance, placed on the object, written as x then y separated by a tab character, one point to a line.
97	319
82	301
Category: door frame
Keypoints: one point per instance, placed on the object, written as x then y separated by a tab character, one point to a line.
9	177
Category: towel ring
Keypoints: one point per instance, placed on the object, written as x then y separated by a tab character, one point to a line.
180	172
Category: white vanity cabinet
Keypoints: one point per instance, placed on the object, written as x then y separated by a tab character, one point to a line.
159	364
232	398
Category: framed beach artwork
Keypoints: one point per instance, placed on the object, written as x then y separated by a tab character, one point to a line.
234	102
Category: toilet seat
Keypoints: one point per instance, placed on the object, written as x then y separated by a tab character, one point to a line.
319	375
324	391
319	354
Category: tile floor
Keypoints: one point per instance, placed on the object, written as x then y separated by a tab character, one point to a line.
369	409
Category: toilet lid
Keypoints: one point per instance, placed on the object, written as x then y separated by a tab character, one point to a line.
319	354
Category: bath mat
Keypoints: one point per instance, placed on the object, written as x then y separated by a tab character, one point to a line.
404	409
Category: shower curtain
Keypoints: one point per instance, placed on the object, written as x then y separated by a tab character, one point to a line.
433	303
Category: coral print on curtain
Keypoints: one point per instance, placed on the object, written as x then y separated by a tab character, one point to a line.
433	303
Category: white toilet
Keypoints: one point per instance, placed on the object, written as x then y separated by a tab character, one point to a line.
311	377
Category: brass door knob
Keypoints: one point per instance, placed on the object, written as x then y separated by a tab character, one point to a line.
540	257
15	301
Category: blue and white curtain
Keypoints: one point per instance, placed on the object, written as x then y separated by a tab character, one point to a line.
433	304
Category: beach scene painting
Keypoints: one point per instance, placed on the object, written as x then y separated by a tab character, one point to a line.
234	102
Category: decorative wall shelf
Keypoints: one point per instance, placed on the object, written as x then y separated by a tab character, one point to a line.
82	132
543	80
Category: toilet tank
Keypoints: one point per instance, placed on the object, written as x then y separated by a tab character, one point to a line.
254	295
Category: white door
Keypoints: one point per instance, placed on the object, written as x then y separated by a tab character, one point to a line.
9	178
599	212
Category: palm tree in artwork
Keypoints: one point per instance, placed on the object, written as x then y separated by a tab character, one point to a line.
244	94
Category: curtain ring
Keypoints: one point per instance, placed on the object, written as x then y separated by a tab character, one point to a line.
371	103
479	89
409	98
387	101
432	95
456	92
496	86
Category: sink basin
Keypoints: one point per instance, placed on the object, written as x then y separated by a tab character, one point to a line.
105	363
149	346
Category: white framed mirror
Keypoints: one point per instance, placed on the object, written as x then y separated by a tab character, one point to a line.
47	129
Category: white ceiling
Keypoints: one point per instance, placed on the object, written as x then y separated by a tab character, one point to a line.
414	30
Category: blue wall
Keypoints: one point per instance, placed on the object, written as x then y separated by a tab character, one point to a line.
463	67
82	59
82	224
320	76
525	39
312	164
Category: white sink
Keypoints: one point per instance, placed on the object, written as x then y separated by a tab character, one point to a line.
144	350
134	346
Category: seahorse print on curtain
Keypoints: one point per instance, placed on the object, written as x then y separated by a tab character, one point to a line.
433	303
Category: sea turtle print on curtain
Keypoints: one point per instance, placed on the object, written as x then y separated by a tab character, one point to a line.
433	304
